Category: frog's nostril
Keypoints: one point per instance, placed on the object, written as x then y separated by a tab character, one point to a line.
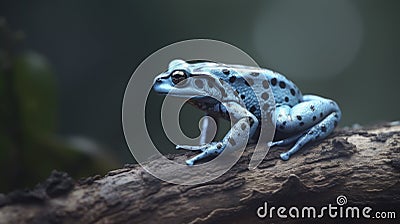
158	80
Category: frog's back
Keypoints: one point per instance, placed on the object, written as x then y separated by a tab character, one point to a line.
285	91
243	78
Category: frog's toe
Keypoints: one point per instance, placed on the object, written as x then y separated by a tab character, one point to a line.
285	156
190	147
189	162
273	144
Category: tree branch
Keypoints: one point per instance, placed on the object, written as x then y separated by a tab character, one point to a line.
362	164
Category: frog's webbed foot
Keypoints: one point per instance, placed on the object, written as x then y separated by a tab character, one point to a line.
213	148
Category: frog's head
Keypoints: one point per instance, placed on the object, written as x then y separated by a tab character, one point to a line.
183	79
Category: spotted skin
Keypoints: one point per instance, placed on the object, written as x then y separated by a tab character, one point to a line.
247	95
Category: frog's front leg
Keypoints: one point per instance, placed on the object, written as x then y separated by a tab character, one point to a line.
244	127
208	129
314	118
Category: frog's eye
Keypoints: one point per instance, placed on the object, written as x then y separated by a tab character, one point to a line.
178	75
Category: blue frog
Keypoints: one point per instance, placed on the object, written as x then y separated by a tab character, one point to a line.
241	93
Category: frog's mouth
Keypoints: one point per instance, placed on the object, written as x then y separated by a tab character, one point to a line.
164	86
175	92
161	88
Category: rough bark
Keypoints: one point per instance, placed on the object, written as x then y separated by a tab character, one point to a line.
362	164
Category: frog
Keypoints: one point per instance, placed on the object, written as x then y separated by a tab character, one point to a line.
233	92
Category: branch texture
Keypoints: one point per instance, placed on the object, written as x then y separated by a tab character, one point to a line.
362	164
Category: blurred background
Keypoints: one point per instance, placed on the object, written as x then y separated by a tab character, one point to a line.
65	66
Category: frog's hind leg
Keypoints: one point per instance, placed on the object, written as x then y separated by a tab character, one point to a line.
316	115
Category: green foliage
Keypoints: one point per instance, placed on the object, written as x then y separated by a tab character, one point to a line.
29	147
35	88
